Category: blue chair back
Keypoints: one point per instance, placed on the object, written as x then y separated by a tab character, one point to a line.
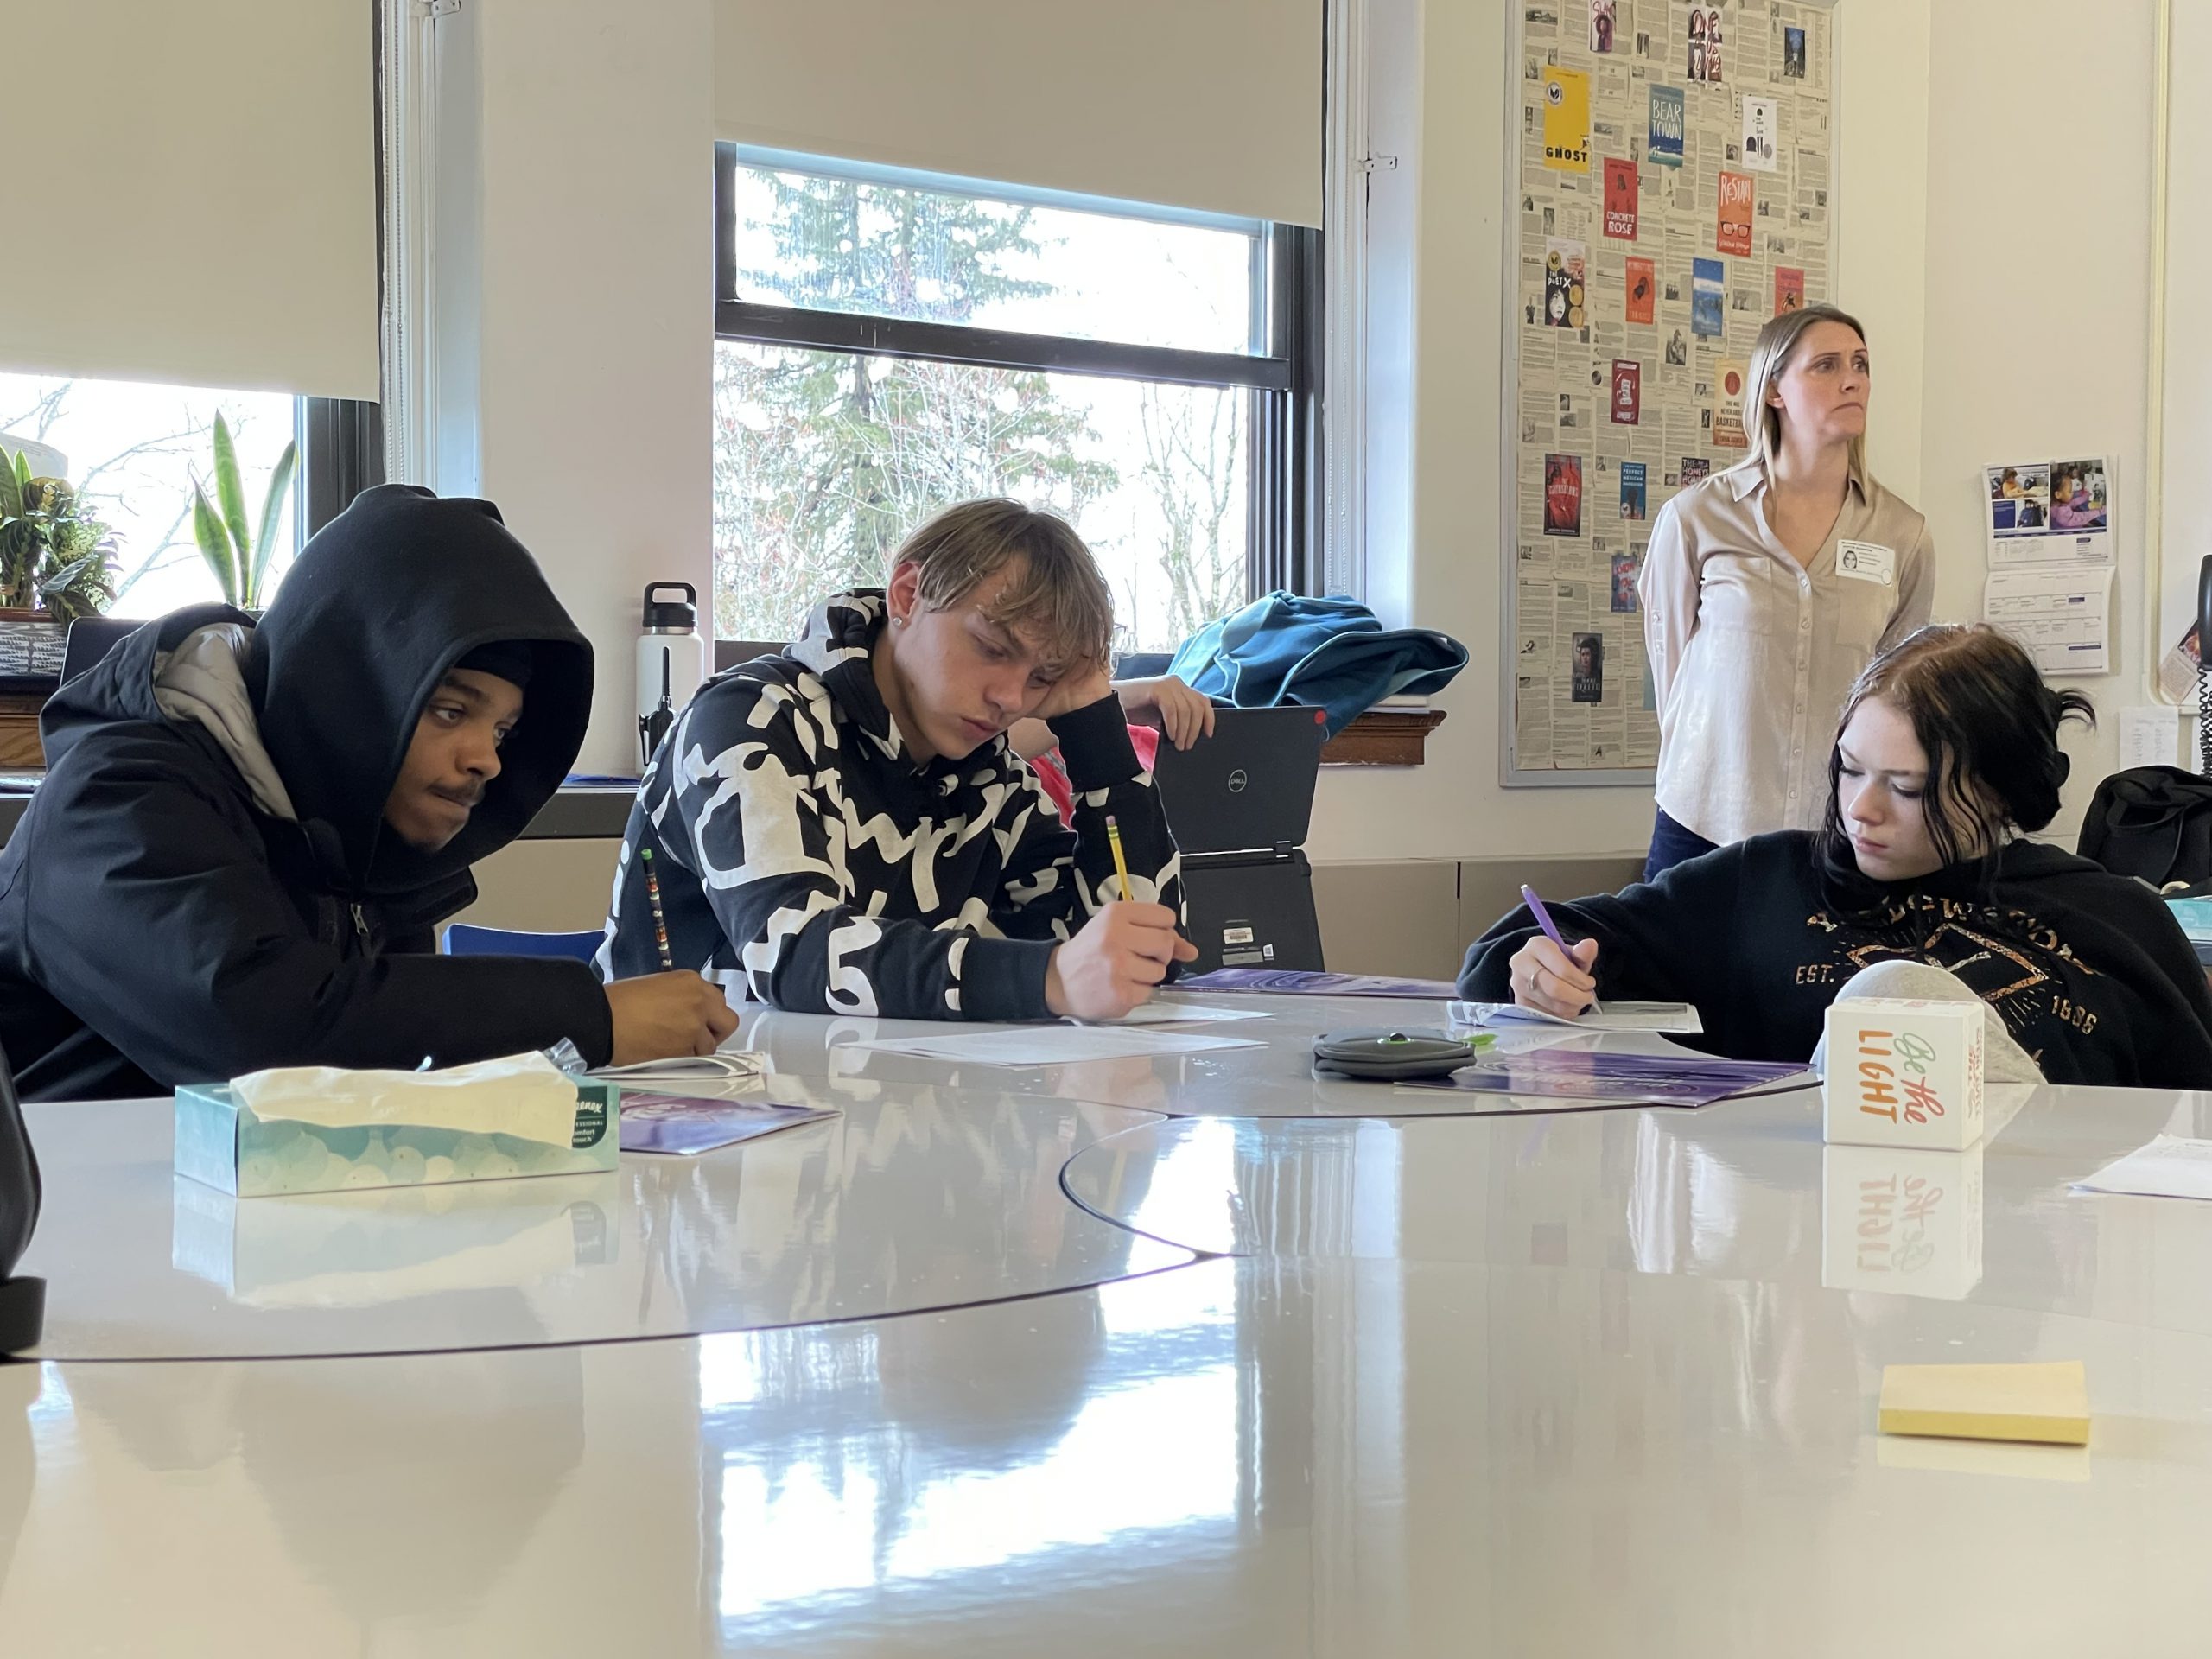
464	939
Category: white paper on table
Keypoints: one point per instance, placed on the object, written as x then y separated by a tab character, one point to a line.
1678	1019
723	1063
2172	1167
1056	1045
2061	613
525	1096
1179	1013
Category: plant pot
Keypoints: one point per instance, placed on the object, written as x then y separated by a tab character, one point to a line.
32	642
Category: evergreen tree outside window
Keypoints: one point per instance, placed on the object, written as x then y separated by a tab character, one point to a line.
888	347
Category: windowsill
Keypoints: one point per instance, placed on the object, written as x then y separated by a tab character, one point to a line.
1383	737
573	814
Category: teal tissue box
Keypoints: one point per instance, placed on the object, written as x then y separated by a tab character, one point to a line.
225	1146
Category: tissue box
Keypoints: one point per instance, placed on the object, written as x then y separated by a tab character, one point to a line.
1899	1220
222	1143
1903	1072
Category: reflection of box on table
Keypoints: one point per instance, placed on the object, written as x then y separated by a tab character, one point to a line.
1901	1220
224	1145
363	1249
1904	1072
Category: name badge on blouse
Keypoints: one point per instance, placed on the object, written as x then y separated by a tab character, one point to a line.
1866	561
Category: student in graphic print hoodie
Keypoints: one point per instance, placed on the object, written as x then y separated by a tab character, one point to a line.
843	827
247	834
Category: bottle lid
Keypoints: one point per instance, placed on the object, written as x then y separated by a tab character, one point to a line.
668	613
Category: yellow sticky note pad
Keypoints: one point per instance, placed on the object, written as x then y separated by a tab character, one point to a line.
2047	1404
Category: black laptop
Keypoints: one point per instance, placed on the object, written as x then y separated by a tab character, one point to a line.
1240	803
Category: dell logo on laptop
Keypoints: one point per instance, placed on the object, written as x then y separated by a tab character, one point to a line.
1237	781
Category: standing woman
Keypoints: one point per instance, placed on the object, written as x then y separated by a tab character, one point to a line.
1766	588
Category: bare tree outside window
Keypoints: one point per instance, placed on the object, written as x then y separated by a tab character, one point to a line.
824	460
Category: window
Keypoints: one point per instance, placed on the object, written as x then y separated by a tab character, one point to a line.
887	345
133	450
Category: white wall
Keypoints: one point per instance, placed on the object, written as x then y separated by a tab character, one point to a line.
2040	347
1962	136
587	373
583	402
1448	196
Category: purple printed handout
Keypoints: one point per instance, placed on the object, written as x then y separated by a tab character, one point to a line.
1285	982
1632	1079
684	1124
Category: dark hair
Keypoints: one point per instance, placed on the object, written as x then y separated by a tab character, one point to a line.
1989	725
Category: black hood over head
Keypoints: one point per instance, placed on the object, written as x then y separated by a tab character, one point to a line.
380	605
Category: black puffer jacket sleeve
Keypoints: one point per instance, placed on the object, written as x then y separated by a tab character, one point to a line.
145	902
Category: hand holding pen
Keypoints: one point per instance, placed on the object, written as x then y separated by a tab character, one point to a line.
1548	974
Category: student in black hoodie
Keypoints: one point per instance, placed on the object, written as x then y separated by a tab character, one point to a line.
1948	746
247	834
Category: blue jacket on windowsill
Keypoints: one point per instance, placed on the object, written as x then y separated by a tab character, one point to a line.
1331	654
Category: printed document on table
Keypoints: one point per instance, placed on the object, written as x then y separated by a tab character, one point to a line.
2172	1167
1056	1045
1678	1019
1179	1013
2061	613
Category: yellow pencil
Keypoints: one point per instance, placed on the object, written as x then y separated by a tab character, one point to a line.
1121	861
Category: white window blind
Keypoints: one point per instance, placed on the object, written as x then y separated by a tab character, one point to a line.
190	193
1211	104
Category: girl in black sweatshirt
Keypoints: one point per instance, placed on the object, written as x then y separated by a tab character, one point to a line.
1947	748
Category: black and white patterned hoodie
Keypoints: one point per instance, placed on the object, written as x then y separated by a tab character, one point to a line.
806	862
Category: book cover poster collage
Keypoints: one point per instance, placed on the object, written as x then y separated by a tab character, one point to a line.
1673	194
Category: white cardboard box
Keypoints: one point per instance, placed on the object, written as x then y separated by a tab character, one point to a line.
1900	1220
1903	1072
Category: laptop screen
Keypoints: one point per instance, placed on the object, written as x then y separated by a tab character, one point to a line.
1249	786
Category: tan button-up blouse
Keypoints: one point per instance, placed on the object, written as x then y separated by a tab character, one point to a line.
1752	655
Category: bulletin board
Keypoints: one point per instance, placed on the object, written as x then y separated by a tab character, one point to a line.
1674	190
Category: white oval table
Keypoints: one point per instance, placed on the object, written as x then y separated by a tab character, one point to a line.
916	1197
1340	1458
1274	1078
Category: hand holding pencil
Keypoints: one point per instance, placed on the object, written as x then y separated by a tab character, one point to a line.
1121	953
1549	975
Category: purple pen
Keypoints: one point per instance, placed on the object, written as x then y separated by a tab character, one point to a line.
1551	928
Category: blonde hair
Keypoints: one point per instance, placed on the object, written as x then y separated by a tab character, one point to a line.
1058	592
1771	353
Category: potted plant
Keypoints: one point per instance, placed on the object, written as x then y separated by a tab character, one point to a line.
240	562
55	565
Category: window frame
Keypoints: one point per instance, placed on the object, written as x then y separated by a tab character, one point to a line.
1280	376
342	453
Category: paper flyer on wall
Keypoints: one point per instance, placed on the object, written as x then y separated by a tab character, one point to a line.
1566	120
2061	613
1761	130
2048	512
1672	194
1728	413
2177	669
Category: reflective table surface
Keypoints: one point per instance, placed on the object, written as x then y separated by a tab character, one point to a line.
926	1197
982	1371
1337	1456
1274	1079
1741	1190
